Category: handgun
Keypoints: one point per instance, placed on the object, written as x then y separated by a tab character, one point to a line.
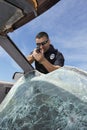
38	49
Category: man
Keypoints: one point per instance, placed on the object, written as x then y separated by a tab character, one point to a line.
46	57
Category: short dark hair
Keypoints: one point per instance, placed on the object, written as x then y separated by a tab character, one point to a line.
42	34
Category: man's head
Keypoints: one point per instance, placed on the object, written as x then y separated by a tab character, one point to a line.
42	40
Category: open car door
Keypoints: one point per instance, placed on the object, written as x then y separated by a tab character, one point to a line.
14	14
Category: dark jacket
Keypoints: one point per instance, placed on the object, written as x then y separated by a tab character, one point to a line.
53	56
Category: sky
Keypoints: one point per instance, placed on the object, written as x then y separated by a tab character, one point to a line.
66	24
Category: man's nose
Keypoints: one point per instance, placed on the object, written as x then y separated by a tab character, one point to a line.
41	46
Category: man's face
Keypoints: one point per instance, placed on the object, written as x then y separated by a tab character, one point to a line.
43	43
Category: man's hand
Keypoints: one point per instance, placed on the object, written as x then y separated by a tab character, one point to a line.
30	58
38	56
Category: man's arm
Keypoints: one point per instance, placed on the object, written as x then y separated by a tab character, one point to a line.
59	59
50	67
30	58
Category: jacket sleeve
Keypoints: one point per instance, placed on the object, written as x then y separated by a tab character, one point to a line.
59	59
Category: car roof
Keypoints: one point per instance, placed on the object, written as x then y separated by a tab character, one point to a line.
14	13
